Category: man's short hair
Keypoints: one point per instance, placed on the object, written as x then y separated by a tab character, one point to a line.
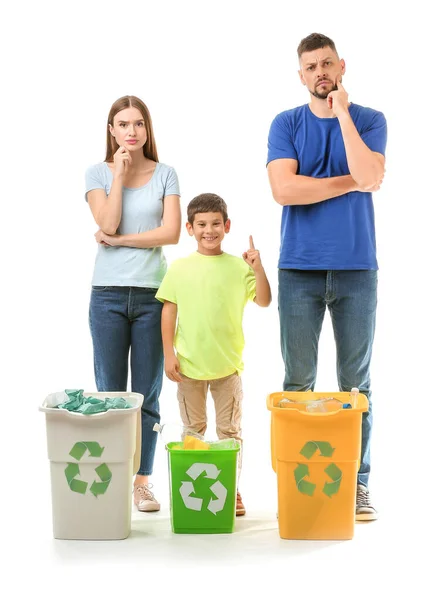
314	41
205	203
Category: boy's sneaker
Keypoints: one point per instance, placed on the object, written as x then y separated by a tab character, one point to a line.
144	499
240	511
364	509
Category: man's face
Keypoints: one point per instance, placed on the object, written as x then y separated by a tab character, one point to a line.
319	71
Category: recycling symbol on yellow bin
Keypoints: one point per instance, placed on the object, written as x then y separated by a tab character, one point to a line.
218	489
302	471
72	470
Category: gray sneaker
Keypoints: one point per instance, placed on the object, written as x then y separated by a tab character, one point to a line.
364	509
144	499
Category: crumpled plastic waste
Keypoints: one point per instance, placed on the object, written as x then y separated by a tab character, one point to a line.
326	404
322	404
76	401
193	443
173	434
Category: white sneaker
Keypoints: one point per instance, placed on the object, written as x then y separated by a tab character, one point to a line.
364	509
144	499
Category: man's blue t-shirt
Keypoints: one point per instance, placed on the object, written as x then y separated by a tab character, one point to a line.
338	233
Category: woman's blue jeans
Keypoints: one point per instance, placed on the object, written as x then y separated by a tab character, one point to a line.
351	297
127	321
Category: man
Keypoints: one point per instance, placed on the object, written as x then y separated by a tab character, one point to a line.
325	159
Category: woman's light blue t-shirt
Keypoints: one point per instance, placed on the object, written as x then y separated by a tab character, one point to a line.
142	210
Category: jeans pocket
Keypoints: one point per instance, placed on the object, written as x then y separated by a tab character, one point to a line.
100	288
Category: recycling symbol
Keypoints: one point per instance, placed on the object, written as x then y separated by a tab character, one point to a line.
72	470
302	471
218	489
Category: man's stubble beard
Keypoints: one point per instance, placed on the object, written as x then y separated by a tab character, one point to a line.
323	95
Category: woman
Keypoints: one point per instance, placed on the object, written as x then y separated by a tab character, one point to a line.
135	202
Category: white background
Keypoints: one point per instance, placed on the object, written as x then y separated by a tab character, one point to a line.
214	75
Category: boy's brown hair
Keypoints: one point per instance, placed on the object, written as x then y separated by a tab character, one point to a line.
205	203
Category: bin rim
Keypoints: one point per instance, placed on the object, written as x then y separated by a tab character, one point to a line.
204	451
75	415
363	404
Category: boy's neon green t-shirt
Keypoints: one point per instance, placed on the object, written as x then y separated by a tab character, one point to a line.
210	293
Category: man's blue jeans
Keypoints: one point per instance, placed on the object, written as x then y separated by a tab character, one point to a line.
351	297
123	319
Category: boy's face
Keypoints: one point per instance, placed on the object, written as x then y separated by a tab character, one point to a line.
209	231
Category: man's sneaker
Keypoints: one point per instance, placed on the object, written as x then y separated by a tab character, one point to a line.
144	499
241	511
364	509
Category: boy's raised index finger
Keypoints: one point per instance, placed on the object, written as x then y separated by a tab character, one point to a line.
339	80
252	245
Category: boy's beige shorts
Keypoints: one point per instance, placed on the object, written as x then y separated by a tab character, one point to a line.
227	394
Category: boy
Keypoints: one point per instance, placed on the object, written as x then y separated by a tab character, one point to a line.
207	292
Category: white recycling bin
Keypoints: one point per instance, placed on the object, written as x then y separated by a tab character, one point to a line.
93	459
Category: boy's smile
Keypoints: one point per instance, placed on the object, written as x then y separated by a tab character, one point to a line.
209	230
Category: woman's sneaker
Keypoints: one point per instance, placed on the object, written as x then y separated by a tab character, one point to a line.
144	499
364	509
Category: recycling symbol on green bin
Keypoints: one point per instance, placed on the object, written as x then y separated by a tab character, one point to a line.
301	473
73	469
218	489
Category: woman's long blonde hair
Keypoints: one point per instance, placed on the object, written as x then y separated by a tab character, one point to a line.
150	148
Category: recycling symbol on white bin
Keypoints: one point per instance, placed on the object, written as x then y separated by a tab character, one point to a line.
218	489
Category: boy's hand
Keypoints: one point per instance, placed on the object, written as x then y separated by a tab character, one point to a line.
252	257
171	368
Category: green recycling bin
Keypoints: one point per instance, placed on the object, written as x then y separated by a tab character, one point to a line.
203	486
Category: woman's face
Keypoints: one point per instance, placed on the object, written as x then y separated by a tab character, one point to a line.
129	129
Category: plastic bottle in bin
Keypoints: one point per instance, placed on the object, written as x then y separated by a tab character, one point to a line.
174	432
321	405
169	432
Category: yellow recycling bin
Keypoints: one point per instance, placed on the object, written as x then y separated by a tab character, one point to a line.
315	452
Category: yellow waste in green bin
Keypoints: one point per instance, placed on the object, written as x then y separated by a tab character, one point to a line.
203	487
